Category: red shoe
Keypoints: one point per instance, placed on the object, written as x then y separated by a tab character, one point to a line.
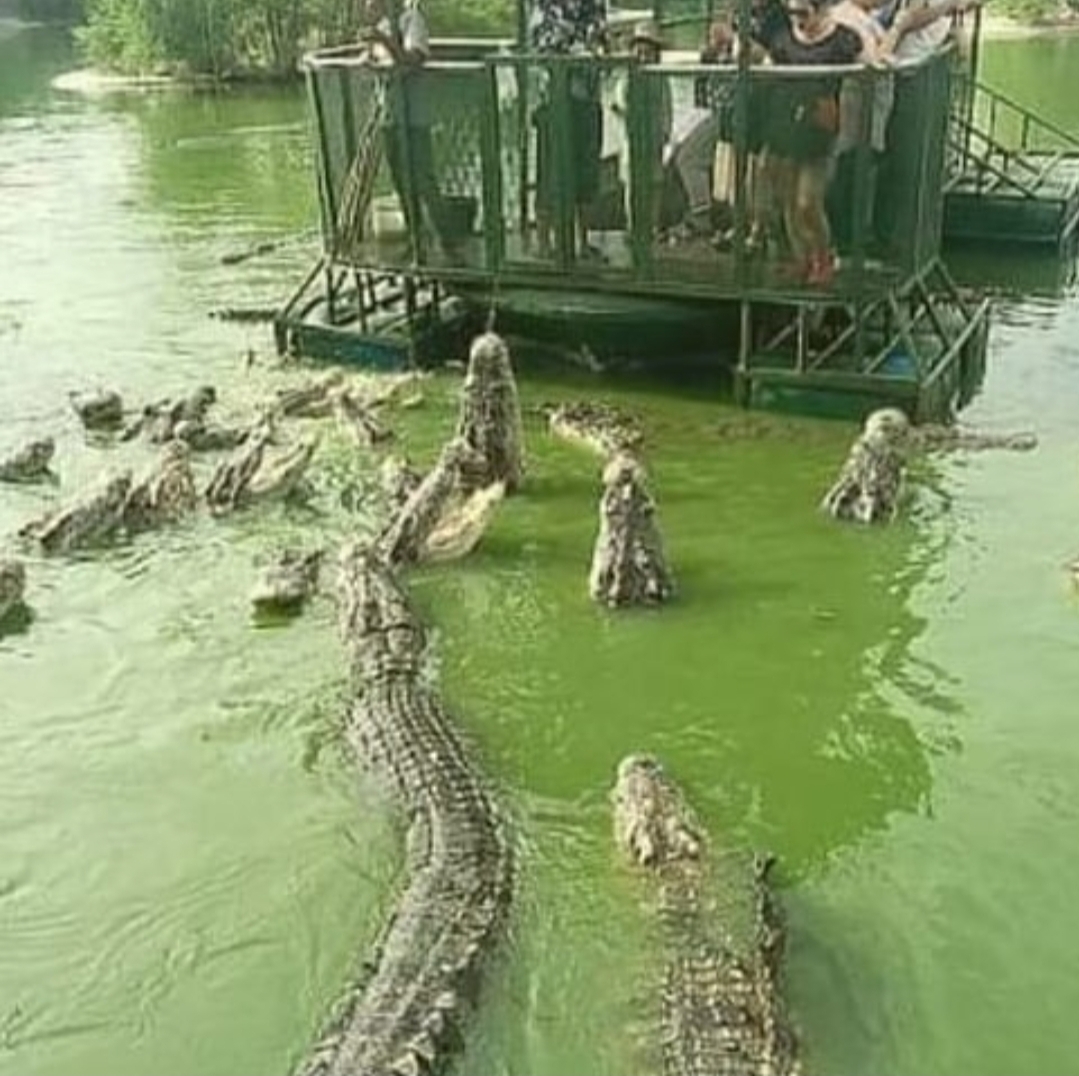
821	269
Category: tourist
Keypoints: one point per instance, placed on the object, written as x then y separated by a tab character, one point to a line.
803	124
919	31
646	47
407	138
843	195
757	188
921	28
576	28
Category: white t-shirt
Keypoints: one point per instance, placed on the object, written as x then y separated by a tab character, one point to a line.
920	44
849	14
415	37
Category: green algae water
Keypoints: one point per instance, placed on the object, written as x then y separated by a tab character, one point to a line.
186	877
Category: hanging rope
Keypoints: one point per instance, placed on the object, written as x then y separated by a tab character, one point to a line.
358	189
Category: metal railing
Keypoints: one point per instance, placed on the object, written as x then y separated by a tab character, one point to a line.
477	169
998	145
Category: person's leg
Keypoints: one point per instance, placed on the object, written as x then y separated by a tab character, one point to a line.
839	201
693	160
587	143
767	201
428	191
785	175
399	176
811	189
545	200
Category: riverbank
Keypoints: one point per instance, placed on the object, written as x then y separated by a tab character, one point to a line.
90	80
1003	28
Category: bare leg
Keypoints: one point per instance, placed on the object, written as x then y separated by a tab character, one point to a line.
785	175
810	190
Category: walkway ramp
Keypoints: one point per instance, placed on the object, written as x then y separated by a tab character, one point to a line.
1012	176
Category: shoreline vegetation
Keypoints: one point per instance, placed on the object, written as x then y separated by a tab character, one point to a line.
263	41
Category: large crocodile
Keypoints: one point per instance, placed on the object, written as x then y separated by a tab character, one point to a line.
870	482
629	566
490	416
459	859
12	589
721	1011
30	463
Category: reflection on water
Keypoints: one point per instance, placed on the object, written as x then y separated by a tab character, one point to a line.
185	880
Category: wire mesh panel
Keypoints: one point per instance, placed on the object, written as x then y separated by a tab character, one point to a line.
617	172
523	155
401	156
458	113
563	161
909	206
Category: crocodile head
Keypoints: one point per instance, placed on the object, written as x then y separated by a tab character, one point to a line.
889	423
653	825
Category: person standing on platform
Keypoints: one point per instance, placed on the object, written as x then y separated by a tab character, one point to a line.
409	118
574	28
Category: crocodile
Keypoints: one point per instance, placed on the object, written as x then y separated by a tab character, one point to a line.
103	410
721	1011
12	589
95	519
459	861
201	436
360	421
598	426
402	539
284	475
186	419
462	525
629	566
285	584
870	481
29	463
183	418
165	494
398	480
490	418
313	399
229	485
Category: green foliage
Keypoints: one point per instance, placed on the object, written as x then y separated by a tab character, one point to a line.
473	18
47	10
229	38
1033	11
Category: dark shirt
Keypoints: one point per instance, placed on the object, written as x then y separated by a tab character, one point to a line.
708	91
800	128
841	46
769	22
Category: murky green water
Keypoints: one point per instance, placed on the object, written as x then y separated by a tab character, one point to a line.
182	888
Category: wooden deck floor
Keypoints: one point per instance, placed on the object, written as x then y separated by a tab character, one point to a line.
681	268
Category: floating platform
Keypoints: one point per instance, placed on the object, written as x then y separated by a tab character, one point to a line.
1013	178
634	276
1017	206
